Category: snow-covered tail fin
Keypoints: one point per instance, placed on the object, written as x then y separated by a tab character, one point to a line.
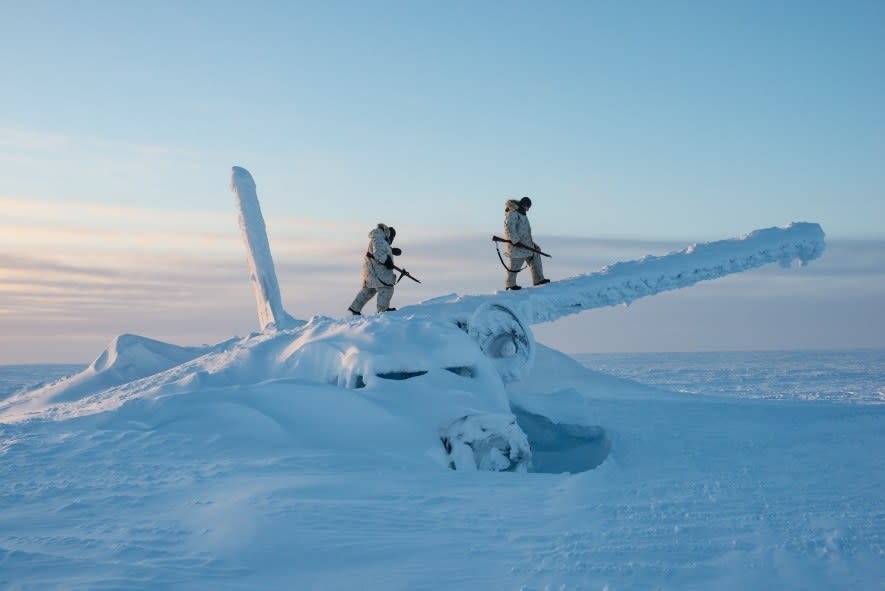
263	274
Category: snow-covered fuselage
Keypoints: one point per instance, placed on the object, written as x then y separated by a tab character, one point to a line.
463	349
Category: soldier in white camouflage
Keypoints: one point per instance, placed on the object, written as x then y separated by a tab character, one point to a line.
378	275
518	231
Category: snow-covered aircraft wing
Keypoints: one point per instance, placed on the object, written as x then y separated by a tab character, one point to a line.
622	283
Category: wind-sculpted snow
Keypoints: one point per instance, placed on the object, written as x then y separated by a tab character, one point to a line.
357	353
127	359
289	484
623	283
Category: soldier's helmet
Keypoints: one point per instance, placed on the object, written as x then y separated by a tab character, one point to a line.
389	231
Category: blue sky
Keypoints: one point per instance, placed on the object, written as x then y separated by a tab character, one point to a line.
627	122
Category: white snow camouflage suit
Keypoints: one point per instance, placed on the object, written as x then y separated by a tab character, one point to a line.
518	229
376	277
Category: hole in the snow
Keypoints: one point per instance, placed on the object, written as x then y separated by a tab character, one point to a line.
359	382
400	375
463	371
562	447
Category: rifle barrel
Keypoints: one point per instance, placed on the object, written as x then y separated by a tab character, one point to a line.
537	250
403	272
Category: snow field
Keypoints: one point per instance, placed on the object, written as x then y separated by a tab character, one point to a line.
299	485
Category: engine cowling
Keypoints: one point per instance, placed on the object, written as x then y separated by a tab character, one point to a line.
505	338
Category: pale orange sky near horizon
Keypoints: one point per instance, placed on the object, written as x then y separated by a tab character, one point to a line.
74	275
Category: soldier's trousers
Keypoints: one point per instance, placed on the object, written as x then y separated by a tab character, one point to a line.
367	293
535	267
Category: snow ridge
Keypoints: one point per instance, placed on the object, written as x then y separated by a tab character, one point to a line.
128	359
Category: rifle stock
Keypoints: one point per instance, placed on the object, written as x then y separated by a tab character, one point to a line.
521	245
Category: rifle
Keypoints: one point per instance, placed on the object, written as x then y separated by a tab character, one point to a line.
521	245
402	272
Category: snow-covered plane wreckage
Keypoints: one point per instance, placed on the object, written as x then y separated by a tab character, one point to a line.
465	355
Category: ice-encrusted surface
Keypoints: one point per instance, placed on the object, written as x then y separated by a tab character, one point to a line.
625	282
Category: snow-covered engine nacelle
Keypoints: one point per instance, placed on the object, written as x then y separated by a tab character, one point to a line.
505	338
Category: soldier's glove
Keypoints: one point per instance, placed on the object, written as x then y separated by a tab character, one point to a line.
388	263
396	251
